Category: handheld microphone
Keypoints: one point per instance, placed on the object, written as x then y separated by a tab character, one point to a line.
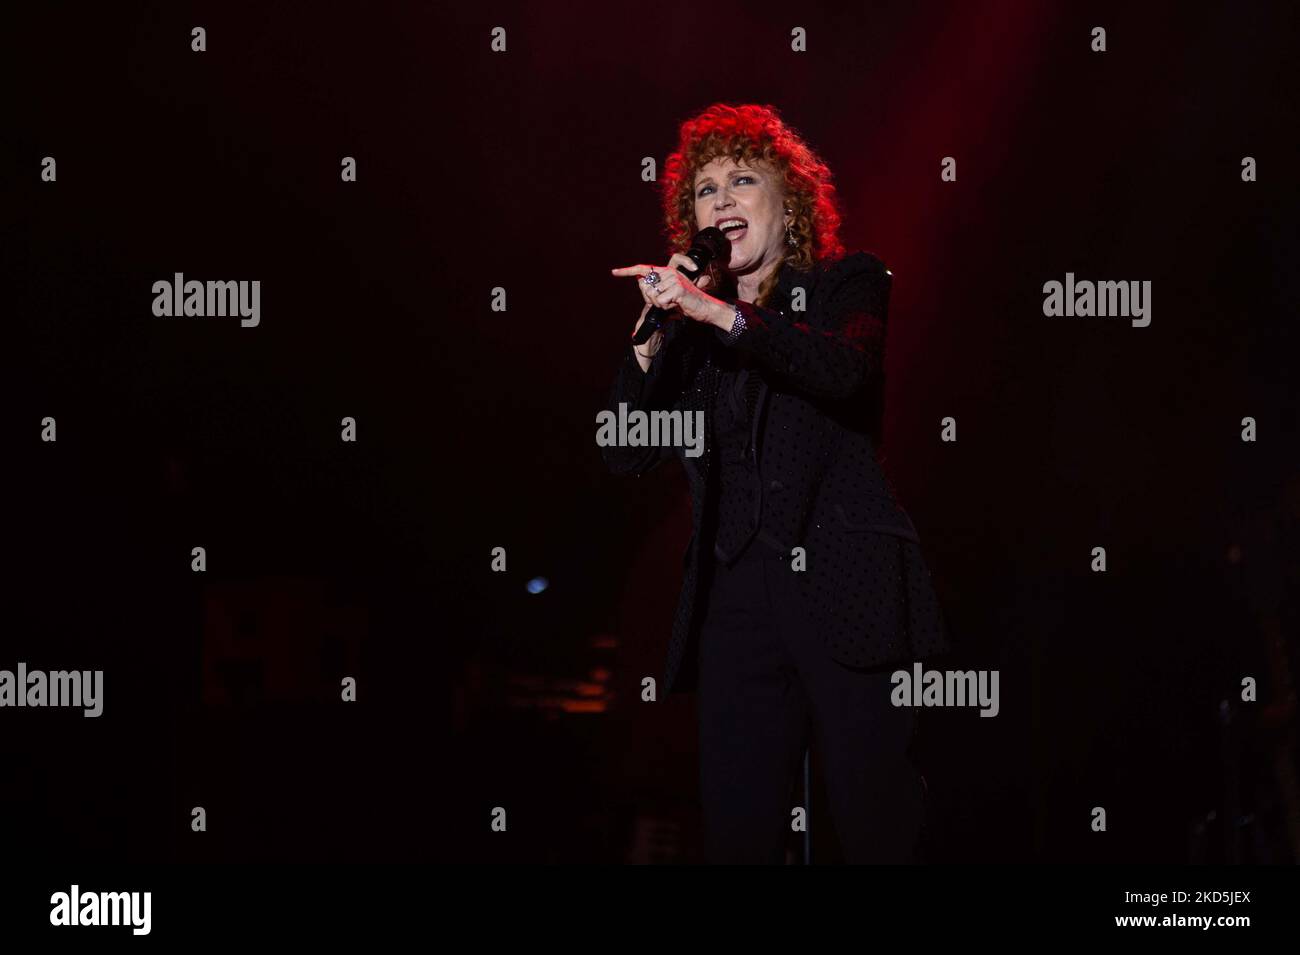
706	245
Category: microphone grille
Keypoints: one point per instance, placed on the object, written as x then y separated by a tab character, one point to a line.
710	245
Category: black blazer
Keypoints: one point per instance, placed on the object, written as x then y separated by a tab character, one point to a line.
816	426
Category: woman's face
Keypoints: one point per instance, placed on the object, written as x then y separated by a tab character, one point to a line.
725	191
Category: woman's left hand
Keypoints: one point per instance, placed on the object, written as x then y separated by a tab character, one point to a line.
676	290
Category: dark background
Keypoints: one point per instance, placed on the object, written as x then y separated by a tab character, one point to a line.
476	428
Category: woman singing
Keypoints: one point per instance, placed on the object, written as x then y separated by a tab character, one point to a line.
804	586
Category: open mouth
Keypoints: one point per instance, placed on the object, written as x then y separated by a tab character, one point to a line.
734	228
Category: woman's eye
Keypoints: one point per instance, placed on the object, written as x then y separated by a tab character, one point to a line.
737	179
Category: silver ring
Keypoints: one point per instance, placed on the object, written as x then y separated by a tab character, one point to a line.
652	279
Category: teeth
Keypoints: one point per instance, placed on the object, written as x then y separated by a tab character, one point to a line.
728	223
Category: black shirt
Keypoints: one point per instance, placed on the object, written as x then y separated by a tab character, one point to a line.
739	483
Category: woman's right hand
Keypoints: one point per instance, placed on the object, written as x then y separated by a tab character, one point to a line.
650	347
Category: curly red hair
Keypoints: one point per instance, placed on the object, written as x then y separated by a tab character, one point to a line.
750	134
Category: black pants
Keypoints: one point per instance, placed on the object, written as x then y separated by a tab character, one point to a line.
766	682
